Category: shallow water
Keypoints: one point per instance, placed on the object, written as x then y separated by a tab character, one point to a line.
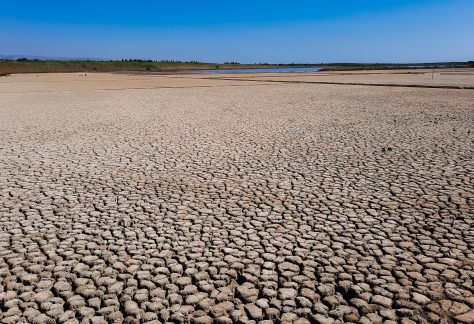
264	70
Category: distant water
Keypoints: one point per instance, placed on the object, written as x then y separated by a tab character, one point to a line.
264	70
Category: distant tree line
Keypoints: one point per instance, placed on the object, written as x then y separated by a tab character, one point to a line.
350	65
160	61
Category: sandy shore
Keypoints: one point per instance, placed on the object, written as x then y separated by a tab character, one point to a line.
135	198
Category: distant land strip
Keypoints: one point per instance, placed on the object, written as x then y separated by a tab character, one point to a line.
25	65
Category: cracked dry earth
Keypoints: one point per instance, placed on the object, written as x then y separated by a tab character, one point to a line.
257	203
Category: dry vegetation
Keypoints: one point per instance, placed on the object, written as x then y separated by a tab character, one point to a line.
52	66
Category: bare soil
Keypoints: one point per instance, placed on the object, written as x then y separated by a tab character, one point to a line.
134	198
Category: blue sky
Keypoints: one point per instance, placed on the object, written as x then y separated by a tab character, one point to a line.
245	31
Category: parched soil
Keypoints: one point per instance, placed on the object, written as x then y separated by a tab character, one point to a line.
153	199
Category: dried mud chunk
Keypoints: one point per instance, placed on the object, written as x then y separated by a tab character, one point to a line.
131	308
248	292
420	299
381	300
254	312
196	298
222	309
203	320
287	266
42	319
76	302
466	317
321	319
42	296
98	320
287	293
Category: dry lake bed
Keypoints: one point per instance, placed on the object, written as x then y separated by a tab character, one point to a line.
293	198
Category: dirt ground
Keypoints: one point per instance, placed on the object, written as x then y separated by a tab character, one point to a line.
296	198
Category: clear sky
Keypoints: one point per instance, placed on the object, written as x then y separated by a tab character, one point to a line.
248	31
